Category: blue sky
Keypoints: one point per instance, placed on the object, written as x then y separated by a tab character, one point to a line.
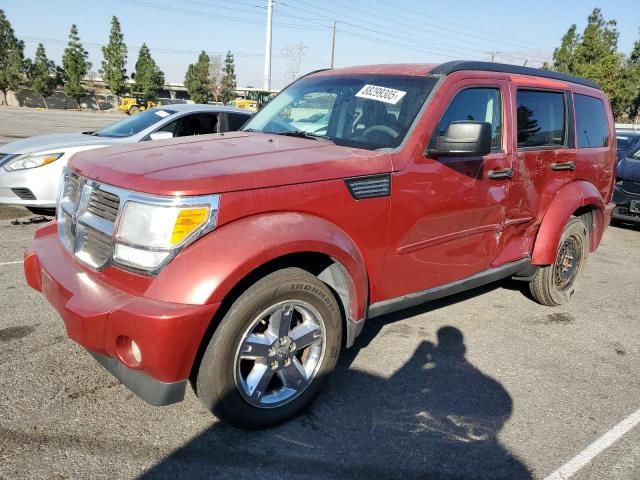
369	31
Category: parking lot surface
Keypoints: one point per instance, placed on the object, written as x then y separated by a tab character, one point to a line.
482	385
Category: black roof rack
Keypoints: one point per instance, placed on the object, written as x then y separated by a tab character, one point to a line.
458	65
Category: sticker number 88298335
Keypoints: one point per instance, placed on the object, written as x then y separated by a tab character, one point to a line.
382	94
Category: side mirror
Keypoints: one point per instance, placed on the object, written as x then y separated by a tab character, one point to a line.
161	136
463	139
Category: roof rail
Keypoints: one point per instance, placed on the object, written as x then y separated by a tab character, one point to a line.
458	65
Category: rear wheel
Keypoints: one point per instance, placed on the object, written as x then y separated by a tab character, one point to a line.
555	284
133	110
272	351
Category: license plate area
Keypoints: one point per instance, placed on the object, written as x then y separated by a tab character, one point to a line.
635	206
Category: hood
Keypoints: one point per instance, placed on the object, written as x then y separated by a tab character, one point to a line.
629	169
222	163
58	141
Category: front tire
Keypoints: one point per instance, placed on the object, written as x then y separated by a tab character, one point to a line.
555	284
272	351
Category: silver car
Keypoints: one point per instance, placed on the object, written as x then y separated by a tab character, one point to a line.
30	169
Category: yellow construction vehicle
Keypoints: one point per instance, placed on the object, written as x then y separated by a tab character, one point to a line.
253	99
135	104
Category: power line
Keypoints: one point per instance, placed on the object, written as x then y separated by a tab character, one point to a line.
198	13
94	45
409	43
491	34
416	39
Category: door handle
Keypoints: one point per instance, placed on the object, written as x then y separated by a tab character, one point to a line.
501	174
563	166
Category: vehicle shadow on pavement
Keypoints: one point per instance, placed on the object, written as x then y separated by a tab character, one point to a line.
437	417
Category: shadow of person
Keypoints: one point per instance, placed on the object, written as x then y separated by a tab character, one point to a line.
437	417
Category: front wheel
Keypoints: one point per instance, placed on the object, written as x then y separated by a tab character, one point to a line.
555	284
272	351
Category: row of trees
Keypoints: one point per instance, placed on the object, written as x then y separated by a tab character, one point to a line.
210	80
206	80
594	54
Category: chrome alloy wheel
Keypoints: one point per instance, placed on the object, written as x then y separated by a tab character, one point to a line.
280	354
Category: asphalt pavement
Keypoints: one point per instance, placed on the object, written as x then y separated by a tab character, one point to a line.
482	385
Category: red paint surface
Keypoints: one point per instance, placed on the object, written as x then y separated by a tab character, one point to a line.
445	220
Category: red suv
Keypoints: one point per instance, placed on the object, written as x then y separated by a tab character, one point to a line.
245	261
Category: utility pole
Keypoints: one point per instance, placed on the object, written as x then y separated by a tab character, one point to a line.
267	47
493	54
333	46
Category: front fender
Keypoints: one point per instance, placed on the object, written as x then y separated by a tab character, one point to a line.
206	271
567	200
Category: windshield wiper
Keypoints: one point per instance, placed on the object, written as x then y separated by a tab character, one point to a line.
302	134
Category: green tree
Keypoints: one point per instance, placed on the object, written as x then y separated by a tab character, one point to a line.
42	74
76	66
148	77
227	91
632	81
114	71
197	79
594	55
11	58
563	57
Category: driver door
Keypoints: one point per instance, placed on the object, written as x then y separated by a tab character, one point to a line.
447	213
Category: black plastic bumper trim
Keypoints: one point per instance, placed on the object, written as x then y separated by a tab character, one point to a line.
148	389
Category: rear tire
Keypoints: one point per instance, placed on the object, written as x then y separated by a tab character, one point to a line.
555	284
134	110
272	351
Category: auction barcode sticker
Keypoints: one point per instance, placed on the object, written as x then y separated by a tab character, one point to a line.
162	113
382	94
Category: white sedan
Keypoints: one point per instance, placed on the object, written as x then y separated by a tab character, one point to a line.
30	169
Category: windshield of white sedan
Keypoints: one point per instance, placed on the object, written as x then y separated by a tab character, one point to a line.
362	111
135	124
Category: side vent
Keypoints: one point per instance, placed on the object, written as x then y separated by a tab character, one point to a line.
370	186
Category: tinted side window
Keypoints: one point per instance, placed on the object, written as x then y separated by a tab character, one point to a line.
477	104
591	122
541	119
236	120
198	124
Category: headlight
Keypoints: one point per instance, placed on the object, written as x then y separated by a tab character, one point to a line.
149	234
26	161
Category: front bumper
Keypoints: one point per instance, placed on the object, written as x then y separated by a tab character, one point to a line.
623	201
42	182
98	316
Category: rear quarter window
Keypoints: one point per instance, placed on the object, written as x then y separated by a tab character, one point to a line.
591	122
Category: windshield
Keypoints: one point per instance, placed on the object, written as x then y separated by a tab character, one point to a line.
362	111
135	124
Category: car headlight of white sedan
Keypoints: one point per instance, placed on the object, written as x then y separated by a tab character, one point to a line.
28	160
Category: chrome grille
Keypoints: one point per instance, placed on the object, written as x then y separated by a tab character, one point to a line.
72	186
87	214
97	246
104	204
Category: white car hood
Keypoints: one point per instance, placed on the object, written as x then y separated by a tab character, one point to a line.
57	141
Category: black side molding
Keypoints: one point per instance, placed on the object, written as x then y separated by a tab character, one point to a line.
478	280
148	389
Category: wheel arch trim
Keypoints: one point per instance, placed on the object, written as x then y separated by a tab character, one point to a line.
208	270
566	202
